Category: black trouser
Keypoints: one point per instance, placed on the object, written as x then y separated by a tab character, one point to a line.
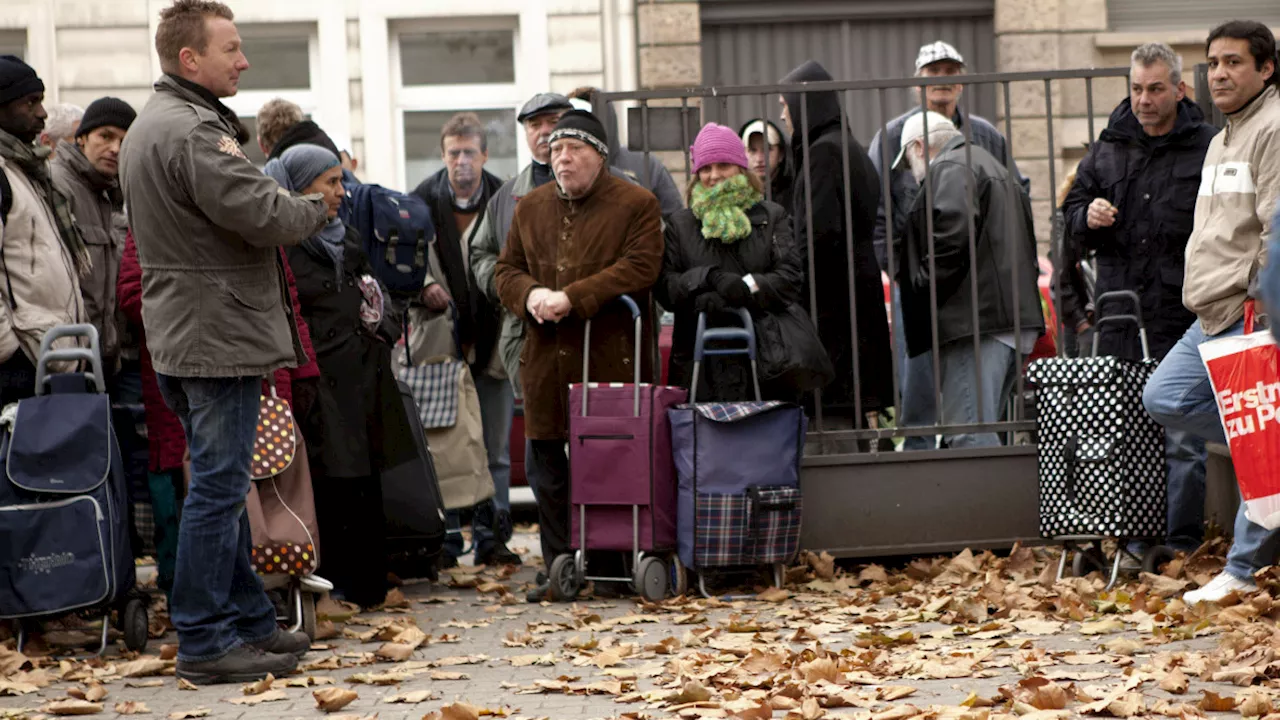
549	467
17	378
353	537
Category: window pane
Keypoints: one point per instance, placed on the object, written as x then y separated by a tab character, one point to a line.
13	42
460	58
422	143
276	63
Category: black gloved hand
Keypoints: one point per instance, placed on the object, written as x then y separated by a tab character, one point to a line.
709	302
731	287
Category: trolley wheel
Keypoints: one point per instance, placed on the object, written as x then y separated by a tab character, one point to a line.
679	576
651	579
564	581
133	621
1155	556
1087	560
309	615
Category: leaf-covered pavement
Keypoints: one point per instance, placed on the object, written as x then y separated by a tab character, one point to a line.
968	637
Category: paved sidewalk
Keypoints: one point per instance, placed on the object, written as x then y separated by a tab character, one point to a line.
867	643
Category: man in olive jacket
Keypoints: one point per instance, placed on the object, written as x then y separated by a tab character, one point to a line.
207	225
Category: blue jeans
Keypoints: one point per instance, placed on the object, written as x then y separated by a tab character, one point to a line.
918	407
218	600
1180	397
961	404
497	405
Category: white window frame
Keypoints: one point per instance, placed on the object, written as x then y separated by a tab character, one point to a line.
246	103
451	98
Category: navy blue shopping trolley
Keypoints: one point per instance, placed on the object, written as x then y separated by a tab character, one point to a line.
64	520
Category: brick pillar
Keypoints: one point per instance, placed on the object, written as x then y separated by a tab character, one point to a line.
670	49
1051	35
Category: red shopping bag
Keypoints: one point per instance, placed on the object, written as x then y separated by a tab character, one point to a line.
1245	373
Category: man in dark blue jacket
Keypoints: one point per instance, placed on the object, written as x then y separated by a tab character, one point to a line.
1133	203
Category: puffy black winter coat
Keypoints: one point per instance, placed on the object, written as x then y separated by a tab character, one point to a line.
825	187
357	425
768	255
1153	182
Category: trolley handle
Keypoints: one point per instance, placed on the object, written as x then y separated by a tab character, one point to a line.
91	355
1135	318
586	355
746	334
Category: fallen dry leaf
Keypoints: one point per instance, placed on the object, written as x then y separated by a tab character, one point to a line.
411	698
305	681
268	696
142	667
93	693
692	692
460	711
1213	702
144	683
333	699
188	714
1038	626
889	693
1101	627
395	652
395	599
259	687
184	684
527	660
72	707
444	675
132	707
773	595
168	652
1256	704
1175	681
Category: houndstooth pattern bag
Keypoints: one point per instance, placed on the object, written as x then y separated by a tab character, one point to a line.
1101	456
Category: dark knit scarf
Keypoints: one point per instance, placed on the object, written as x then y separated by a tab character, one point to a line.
32	161
99	183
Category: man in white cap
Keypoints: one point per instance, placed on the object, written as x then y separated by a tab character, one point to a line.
969	188
936	59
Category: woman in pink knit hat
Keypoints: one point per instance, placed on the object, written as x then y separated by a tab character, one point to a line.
731	248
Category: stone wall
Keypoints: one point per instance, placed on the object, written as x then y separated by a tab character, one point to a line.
670	54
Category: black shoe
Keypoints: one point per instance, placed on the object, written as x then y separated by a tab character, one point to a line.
503	527
498	554
243	664
540	578
447	561
285	643
540	593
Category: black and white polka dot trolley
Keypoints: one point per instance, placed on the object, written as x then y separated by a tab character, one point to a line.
1101	459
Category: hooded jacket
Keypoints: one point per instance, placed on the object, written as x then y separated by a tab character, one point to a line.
99	210
784	176
824	193
1153	182
1238	192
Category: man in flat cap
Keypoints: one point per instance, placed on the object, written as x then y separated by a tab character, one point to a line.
575	246
37	230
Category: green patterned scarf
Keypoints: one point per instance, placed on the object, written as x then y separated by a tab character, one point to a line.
32	160
723	208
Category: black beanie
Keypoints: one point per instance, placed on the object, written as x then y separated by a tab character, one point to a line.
582	125
17	79
304	133
106	112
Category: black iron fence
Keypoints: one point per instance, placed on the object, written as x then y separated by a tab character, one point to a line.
667	121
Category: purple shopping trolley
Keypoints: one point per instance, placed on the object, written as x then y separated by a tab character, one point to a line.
622	490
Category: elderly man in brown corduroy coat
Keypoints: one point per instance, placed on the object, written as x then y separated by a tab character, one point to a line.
575	246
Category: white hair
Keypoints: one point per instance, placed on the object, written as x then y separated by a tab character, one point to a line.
62	120
1158	52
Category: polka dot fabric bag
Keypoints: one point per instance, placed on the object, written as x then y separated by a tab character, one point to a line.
276	443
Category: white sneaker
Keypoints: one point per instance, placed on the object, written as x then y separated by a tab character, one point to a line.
1218	588
315	584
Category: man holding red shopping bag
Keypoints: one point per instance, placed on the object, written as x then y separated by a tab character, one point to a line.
1238	191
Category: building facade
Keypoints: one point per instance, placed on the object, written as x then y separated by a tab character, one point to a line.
384	75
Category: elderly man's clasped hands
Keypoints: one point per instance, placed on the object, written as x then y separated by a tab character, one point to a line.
547	305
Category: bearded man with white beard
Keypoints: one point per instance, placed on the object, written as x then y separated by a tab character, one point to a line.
967	188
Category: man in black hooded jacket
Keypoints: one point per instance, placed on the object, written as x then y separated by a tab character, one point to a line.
820	194
1133	202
